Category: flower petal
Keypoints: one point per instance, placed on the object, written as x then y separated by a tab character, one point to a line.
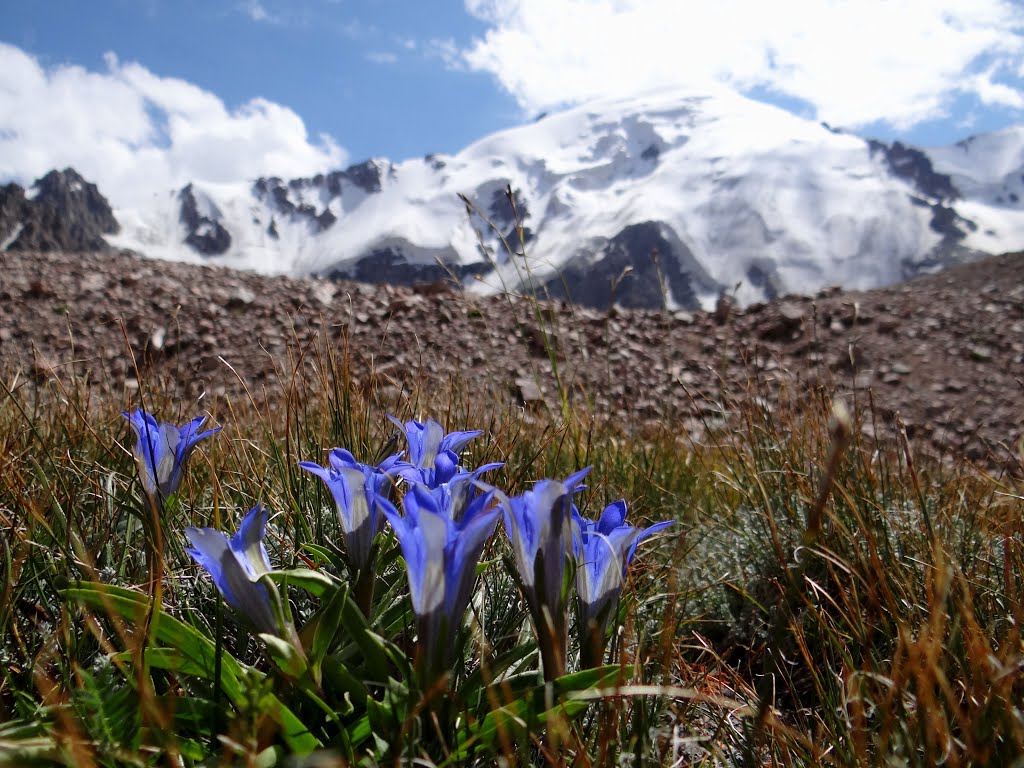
460	570
614	515
356	489
247	544
208	548
456	441
423	535
235	565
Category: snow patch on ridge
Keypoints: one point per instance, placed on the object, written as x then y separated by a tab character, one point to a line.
8	241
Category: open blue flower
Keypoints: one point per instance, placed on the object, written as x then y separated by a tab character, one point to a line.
236	566
441	546
357	489
539	526
432	457
603	549
162	450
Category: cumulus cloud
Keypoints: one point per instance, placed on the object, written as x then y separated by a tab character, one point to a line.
136	134
897	61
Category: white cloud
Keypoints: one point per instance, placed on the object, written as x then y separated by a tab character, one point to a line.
257	12
381	57
445	49
354	29
275	13
135	133
900	61
992	93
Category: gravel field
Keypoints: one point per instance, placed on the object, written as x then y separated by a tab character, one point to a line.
944	352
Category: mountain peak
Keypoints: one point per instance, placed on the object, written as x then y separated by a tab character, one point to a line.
665	199
60	212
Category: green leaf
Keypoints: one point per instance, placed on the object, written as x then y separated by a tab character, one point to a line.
373	647
23	752
186	642
497	667
360	730
187	646
325	625
286	656
338	678
108	707
327	556
536	707
317	583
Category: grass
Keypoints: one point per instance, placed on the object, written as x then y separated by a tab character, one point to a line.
824	599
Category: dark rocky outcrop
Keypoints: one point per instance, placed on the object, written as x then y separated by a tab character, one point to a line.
365	175
435	162
67	213
507	210
205	232
945	220
763	275
291	198
658	263
389	266
915	166
277	194
325	219
937	192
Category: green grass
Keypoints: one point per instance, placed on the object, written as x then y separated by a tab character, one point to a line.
823	599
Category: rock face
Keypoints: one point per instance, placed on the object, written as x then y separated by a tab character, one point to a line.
643	266
508	210
388	266
310	199
62	212
205	233
934	191
916	167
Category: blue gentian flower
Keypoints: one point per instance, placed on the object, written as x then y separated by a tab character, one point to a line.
427	440
236	566
162	450
356	489
441	545
603	549
539	526
432	457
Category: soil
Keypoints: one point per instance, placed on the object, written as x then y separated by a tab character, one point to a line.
944	353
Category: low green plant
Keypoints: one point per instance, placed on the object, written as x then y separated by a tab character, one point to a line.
335	627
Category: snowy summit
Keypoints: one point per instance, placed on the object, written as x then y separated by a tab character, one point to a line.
690	194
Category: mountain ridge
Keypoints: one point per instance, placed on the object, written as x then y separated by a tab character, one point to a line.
671	198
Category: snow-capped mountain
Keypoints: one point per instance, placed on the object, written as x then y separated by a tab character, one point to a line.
687	194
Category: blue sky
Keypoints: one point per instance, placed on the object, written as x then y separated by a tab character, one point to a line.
344	67
153	92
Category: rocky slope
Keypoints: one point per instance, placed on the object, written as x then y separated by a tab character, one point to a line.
946	351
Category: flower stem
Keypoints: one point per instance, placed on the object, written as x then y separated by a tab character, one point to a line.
362	590
552	640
